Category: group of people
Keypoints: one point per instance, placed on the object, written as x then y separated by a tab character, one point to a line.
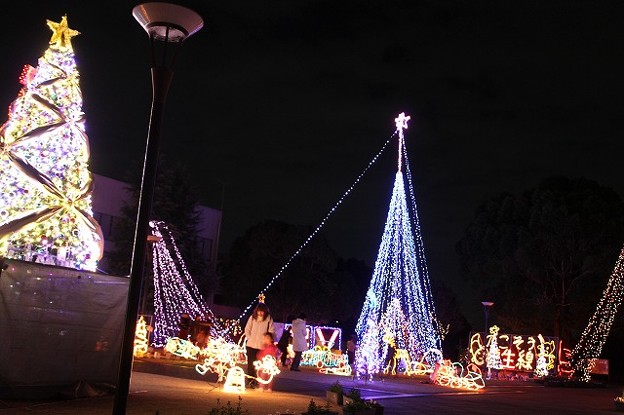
260	334
196	331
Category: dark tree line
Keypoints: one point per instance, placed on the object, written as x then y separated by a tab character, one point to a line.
308	283
544	256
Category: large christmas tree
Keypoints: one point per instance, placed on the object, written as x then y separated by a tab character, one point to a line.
45	183
398	312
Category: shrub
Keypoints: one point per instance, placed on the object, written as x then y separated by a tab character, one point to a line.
314	409
354	394
336	387
228	409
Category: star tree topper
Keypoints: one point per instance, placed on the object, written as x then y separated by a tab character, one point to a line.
62	33
401	124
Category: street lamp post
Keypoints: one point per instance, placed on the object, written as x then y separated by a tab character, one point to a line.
486	309
167	25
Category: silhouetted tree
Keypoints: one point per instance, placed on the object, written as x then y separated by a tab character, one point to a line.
353	278
545	256
451	320
306	284
175	202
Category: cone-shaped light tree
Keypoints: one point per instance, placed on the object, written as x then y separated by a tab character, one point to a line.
599	326
45	184
175	291
398	311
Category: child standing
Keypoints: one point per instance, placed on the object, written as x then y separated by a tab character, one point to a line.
268	349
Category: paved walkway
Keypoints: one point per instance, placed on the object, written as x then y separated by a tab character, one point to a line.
176	389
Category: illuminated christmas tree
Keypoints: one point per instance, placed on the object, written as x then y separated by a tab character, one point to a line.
398	311
493	359
45	183
595	334
175	292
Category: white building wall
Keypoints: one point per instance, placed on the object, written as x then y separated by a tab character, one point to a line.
109	195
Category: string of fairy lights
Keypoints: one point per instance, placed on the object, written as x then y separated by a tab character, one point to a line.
318	228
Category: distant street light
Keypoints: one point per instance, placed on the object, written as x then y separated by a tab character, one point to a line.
486	308
167	25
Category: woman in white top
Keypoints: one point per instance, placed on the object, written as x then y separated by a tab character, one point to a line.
300	344
259	323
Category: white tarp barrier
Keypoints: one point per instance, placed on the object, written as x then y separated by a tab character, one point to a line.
58	326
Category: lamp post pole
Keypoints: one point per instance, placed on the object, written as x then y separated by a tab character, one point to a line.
167	25
486	309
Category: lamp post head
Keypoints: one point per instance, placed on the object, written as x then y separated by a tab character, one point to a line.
167	22
487	303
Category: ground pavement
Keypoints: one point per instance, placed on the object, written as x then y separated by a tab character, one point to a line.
176	389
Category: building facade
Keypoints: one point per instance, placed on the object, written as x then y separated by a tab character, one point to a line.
109	197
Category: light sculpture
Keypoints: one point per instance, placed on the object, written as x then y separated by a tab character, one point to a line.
141	345
182	348
175	292
220	356
595	334
512	352
235	380
399	303
45	184
334	338
454	375
493	359
267	366
322	357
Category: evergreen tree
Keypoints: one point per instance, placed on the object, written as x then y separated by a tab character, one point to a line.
307	284
544	255
175	203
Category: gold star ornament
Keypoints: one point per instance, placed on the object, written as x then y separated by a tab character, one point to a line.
61	33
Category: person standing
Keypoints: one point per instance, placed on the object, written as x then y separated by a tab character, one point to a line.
259	323
351	345
185	326
299	333
283	343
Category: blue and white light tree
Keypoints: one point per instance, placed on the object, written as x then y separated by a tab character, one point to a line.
398	311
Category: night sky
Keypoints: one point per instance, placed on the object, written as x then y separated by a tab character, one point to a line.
277	106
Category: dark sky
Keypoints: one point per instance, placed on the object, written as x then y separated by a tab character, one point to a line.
277	106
